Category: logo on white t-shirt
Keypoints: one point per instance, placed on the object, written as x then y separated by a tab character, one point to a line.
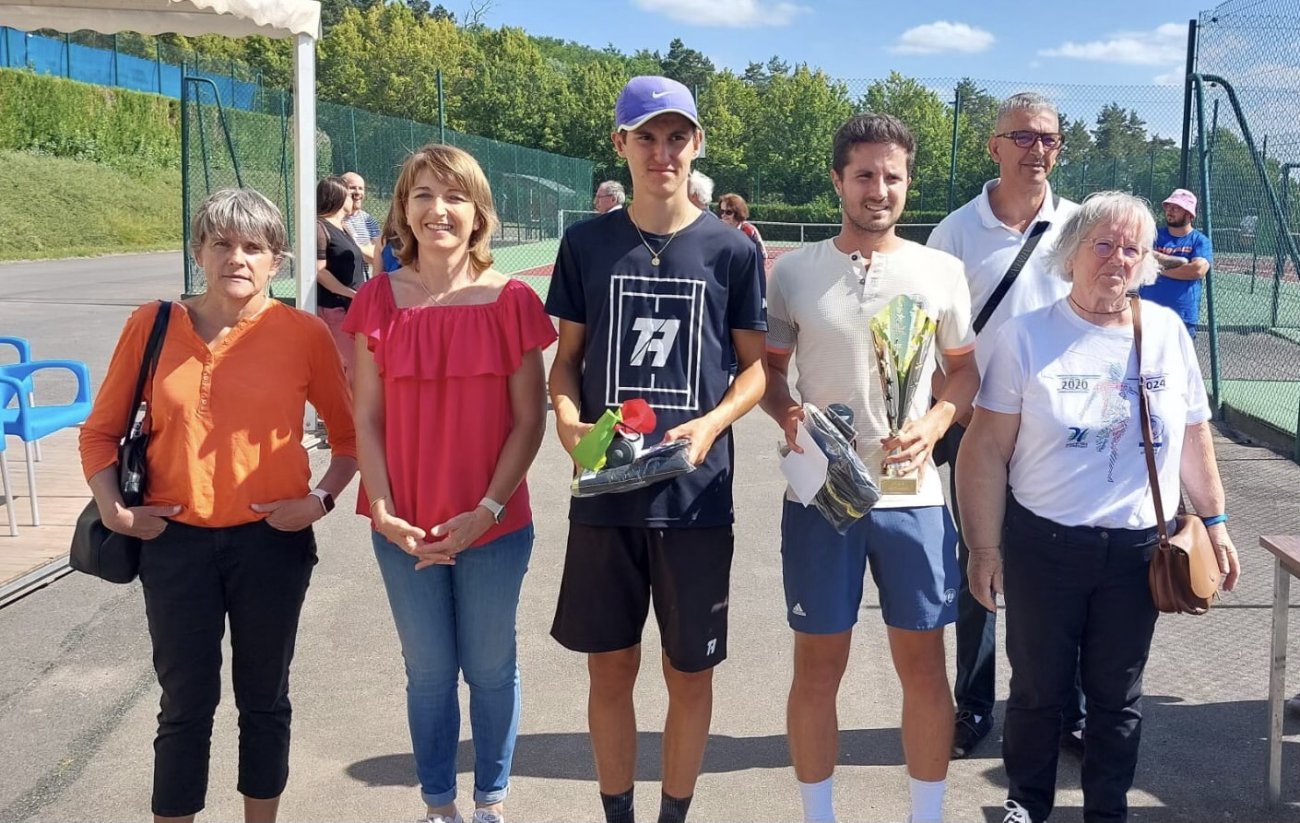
1077	438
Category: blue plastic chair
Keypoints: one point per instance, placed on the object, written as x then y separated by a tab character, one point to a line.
30	423
23	350
8	485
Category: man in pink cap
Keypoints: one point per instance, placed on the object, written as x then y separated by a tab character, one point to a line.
1185	256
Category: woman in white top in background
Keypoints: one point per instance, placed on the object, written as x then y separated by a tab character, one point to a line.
1057	508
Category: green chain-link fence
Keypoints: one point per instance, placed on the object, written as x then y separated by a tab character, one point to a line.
222	146
1250	151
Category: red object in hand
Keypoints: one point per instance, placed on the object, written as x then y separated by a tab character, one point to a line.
637	416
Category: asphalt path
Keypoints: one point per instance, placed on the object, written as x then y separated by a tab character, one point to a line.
78	698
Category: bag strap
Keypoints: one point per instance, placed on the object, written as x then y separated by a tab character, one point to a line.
1147	439
1009	279
149	363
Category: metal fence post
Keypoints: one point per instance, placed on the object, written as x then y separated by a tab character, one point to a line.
67	56
158	64
1216	396
442	110
952	161
352	117
1187	103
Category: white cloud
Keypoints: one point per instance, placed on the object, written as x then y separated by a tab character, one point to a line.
1174	77
1162	46
726	13
943	36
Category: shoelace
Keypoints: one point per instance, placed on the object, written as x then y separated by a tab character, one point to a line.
1015	813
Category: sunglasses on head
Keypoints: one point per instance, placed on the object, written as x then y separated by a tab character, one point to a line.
1024	139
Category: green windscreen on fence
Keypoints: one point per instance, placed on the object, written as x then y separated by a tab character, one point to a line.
224	147
1254	203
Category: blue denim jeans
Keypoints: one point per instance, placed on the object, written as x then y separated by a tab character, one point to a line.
452	619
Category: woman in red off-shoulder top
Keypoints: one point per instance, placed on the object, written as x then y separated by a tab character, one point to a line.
449	400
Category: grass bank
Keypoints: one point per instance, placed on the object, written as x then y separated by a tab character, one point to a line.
56	207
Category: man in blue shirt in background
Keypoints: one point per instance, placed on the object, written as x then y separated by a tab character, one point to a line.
1185	256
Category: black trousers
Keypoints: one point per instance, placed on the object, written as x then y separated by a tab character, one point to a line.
195	579
1077	599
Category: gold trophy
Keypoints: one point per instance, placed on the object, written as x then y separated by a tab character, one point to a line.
902	333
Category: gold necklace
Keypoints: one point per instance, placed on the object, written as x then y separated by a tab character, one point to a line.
654	256
437	301
1091	311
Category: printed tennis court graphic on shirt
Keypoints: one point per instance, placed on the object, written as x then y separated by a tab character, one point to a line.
1104	410
655	341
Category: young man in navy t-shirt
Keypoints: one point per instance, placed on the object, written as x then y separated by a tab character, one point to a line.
656	301
1185	256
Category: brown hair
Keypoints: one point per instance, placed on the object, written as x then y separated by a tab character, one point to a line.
875	129
737	204
331	194
454	167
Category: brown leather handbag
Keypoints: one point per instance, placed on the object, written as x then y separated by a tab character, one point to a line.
1184	572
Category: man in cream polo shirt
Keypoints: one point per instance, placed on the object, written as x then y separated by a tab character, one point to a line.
988	234
820	300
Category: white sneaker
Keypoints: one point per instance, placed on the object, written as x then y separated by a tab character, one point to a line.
486	816
442	818
1015	813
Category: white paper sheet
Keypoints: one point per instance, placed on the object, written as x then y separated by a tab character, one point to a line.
806	471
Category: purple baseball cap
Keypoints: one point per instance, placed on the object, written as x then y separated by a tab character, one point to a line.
648	96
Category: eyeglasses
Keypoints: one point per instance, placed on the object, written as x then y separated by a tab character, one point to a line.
726	211
1104	247
1051	140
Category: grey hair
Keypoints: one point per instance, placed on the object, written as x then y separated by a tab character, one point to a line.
1118	207
1026	101
614	188
700	185
240	213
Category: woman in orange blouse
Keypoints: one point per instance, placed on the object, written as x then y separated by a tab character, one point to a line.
227	515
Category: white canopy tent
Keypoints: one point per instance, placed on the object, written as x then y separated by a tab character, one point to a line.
297	19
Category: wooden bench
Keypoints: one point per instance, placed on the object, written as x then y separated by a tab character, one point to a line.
1286	554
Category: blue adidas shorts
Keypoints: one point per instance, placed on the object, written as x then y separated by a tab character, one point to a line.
913	556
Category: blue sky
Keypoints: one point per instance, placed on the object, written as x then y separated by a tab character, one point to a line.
1112	42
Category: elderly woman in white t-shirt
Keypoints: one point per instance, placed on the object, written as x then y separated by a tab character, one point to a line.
1056	503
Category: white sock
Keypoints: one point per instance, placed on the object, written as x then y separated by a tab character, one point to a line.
927	800
817	805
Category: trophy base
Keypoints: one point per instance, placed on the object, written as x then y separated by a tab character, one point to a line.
900	484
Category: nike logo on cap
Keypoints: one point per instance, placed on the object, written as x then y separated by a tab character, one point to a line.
657	94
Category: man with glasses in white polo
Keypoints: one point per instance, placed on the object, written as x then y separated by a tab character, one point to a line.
610	195
1002	237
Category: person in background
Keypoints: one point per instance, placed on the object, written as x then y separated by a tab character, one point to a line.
229	507
989	234
1185	255
699	187
609	196
363	227
340	265
734	211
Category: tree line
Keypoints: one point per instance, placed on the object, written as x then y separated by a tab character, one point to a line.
769	127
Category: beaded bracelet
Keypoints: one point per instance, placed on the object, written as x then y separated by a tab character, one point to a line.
1215	520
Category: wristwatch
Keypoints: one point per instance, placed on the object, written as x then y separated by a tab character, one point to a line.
326	499
498	510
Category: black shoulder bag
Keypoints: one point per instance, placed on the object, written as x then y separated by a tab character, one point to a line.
97	549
